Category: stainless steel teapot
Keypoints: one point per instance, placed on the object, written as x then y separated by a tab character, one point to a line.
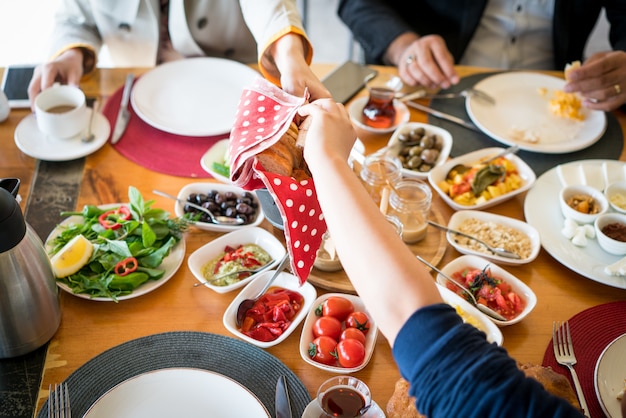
30	312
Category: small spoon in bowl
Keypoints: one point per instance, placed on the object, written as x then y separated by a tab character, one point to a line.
231	273
484	309
218	220
89	135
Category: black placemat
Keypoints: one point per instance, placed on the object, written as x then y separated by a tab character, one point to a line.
251	366
609	146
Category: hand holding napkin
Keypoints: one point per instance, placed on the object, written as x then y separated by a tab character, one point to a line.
263	115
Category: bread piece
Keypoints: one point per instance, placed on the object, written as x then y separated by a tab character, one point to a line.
554	382
285	157
401	405
569	67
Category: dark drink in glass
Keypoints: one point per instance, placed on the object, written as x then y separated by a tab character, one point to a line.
379	111
344	397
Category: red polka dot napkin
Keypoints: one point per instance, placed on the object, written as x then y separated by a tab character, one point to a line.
263	115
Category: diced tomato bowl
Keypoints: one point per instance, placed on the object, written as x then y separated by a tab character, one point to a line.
492	286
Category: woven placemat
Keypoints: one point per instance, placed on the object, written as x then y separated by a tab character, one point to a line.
592	330
608	147
249	365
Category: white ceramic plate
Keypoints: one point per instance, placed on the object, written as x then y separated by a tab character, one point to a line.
459	217
284	280
171	263
204	187
520	107
475	262
430	129
439	173
248	235
192	97
32	142
541	210
313	410
355	109
610	376
494	335
307	334
182	392
216	154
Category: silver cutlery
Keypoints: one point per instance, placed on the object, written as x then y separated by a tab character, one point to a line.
484	309
221	276
442	115
59	402
123	114
564	355
281	402
495	250
470	92
89	135
218	220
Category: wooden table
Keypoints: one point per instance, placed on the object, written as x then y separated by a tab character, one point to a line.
88	328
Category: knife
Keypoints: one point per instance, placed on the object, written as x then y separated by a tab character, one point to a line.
282	404
123	115
442	115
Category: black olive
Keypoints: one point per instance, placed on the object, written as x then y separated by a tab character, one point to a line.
429	156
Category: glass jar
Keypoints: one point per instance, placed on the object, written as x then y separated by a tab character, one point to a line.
410	202
377	171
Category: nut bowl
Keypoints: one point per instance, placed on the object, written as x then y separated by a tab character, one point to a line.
438	174
618	226
579	191
215	248
284	280
466	262
616	195
205	188
436	140
511	233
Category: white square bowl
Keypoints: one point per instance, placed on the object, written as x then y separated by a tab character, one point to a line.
444	136
472	315
475	262
246	235
457	219
307	335
204	187
284	280
439	173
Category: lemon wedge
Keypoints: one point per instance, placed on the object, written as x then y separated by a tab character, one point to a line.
72	257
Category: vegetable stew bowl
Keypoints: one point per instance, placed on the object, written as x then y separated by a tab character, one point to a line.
215	248
285	281
475	262
439	173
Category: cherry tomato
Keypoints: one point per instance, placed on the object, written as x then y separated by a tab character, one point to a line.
338	307
328	326
323	350
353	333
358	320
350	352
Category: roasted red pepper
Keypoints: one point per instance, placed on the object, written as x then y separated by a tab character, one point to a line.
126	266
111	218
272	314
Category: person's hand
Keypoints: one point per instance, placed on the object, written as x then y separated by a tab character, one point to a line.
601	80
328	132
297	78
428	62
67	68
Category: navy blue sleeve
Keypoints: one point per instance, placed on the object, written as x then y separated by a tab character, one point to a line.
455	372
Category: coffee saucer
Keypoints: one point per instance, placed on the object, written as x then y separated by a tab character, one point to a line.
34	143
313	410
356	108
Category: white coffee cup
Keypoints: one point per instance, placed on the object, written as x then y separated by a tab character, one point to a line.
61	111
4	107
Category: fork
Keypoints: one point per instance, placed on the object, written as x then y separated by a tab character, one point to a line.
469	92
59	402
564	354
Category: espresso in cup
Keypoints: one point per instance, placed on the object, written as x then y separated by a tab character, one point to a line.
61	112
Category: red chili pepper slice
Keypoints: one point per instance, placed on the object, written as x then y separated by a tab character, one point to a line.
110	219
126	266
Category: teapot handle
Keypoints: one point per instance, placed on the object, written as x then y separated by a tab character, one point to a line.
12	185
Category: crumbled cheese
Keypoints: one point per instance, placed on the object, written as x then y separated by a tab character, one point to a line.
566	105
495	235
577	233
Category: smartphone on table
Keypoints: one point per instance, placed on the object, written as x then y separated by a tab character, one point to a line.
15	85
347	80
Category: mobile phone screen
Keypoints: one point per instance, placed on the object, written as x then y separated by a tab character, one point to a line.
347	80
15	85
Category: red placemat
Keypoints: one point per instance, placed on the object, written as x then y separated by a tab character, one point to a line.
592	330
157	150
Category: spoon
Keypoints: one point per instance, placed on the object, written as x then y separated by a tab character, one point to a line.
246	304
89	136
462	168
219	220
221	276
484	309
495	250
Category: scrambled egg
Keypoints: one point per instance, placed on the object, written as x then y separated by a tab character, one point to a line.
469	319
566	105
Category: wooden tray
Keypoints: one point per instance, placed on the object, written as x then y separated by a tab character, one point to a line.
431	248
